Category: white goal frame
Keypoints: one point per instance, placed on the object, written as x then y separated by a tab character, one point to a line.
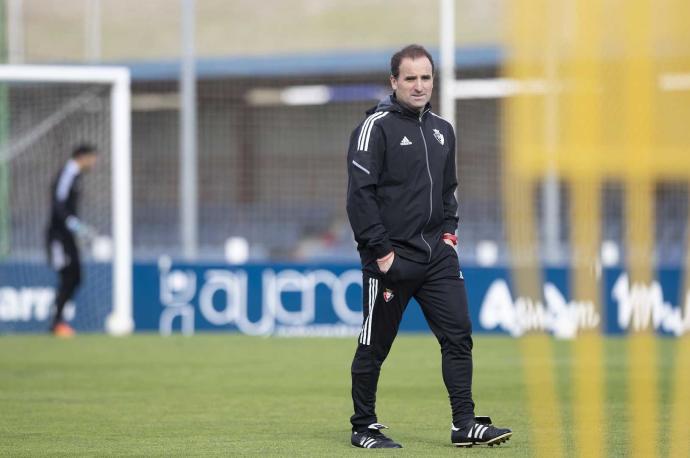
120	320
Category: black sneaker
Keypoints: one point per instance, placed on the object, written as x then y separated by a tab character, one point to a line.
373	438
479	431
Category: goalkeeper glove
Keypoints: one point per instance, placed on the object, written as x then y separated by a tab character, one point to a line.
81	229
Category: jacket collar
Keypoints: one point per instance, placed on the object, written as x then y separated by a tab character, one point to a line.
73	167
391	103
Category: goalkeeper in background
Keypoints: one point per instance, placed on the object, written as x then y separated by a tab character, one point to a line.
64	228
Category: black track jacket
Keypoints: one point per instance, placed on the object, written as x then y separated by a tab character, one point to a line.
64	199
401	182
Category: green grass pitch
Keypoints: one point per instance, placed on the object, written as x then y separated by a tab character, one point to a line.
219	394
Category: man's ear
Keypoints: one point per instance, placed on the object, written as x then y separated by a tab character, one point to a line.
394	82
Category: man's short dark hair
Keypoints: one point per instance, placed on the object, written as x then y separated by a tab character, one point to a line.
83	150
411	51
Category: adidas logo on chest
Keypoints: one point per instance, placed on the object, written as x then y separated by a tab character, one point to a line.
405	141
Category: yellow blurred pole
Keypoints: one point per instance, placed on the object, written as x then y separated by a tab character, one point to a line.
679	423
523	131
587	357
522	112
639	87
545	417
680	414
582	134
676	34
536	348
643	394
639	90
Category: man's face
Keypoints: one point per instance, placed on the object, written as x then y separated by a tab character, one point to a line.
415	82
87	162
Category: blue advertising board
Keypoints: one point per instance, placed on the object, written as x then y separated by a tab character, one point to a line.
292	299
326	300
27	292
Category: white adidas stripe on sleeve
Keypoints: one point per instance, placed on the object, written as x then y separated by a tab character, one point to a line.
359	166
365	132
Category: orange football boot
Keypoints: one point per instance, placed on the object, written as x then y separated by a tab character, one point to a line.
63	330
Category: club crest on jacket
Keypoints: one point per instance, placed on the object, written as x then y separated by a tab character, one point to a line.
439	136
387	295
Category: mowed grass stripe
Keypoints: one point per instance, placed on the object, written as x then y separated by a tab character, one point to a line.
590	428
231	395
644	394
679	423
235	395
544	406
679	428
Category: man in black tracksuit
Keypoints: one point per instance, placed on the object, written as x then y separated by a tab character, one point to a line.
402	208
63	228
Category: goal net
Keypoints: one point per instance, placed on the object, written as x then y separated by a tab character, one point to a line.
45	112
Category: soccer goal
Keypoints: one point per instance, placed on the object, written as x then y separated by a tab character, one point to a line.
45	111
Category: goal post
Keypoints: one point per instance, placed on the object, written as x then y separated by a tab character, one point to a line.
120	319
447	63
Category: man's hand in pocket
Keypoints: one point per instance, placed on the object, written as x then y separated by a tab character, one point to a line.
385	262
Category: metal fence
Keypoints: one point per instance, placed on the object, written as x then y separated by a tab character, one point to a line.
271	169
272	164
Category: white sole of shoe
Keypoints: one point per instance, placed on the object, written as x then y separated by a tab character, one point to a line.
495	441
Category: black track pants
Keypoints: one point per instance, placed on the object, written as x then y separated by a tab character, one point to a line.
440	290
63	256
